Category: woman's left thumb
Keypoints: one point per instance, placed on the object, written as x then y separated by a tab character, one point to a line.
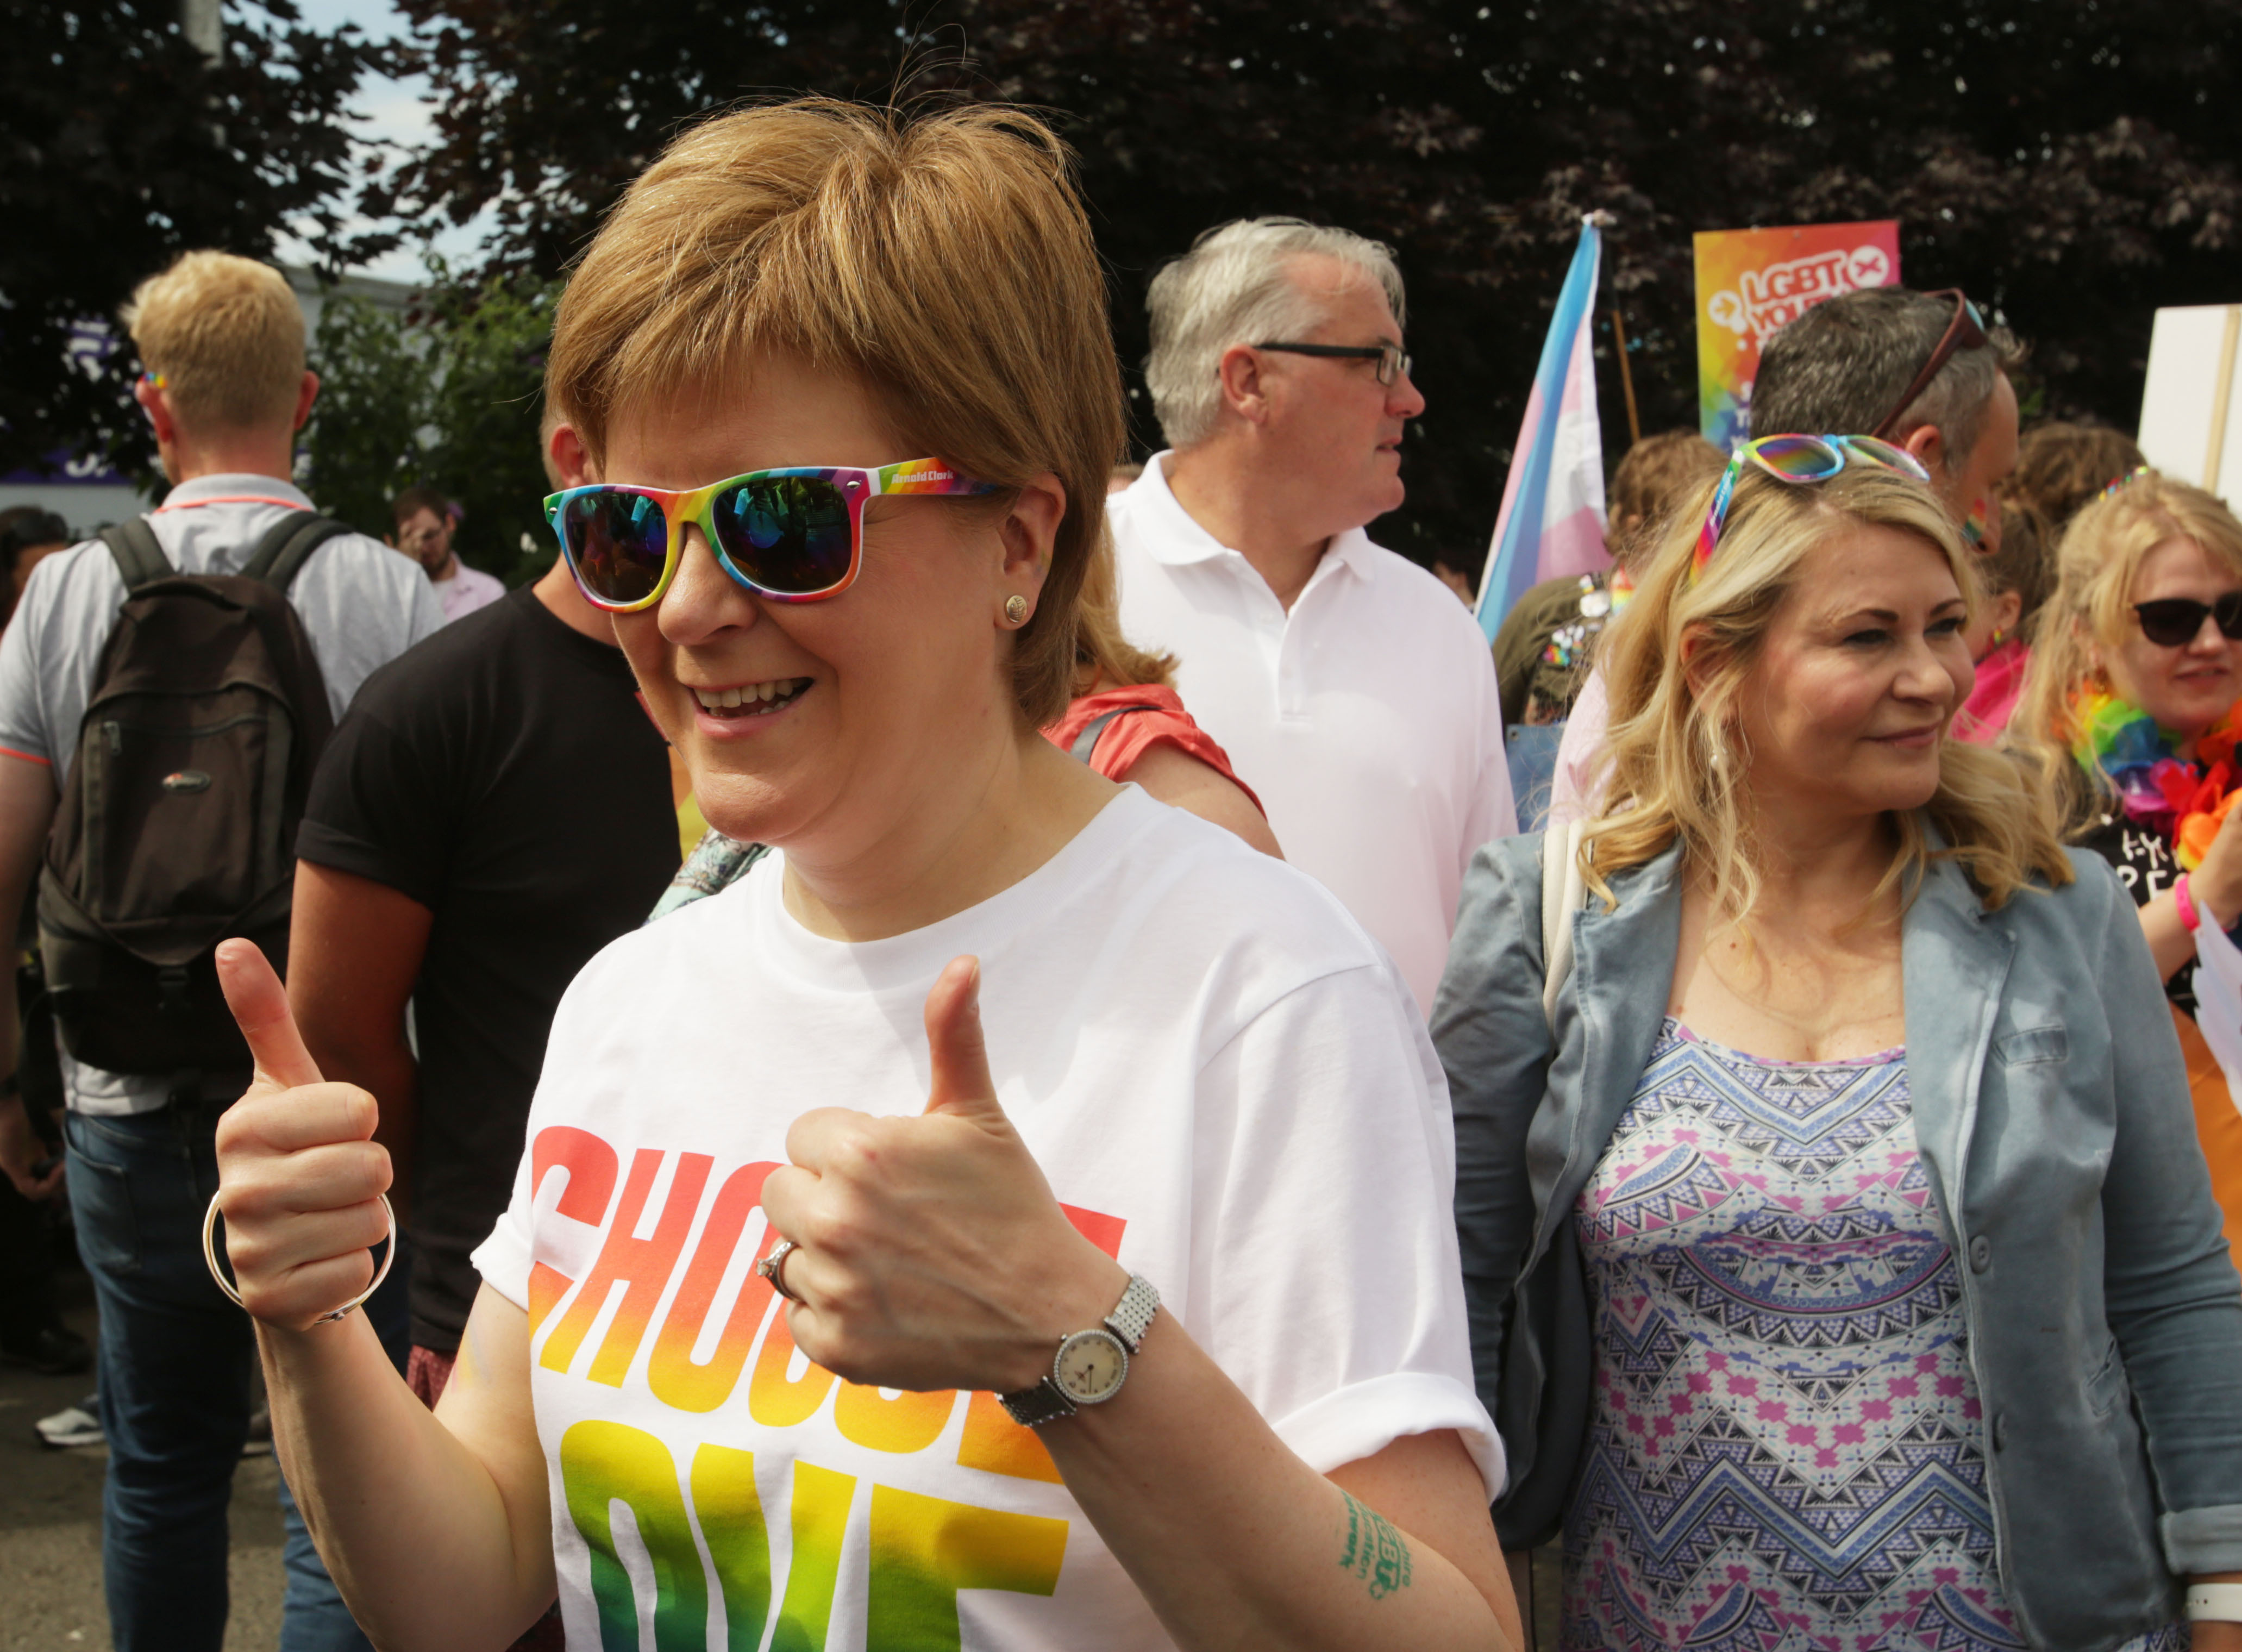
961	1082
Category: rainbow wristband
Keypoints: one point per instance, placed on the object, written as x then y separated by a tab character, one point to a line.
2189	919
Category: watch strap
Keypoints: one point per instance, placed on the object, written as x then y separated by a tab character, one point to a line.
1033	1408
2214	1603
1132	1315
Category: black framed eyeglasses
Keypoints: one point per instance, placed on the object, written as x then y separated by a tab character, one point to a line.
1966	331
2175	621
1392	363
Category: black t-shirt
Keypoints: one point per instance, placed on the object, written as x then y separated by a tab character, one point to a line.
503	774
2142	858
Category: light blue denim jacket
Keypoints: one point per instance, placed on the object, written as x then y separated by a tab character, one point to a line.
2053	1113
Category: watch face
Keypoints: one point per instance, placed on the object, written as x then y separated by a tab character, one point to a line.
1091	1366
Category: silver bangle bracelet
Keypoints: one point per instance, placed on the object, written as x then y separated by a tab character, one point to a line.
209	1260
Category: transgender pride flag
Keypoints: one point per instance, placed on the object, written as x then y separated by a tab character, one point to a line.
1552	507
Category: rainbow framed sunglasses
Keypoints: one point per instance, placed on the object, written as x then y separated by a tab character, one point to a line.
1798	459
793	535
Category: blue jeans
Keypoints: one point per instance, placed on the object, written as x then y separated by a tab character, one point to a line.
174	1380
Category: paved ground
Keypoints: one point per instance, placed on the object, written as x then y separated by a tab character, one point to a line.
51	1524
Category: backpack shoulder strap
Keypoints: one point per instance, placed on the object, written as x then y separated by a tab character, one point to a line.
140	557
1086	741
1564	891
283	551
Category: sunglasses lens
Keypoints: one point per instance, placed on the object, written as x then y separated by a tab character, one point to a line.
2228	612
789	535
1887	456
618	543
2173	622
1798	458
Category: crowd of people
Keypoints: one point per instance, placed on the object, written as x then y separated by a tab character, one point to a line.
934	1041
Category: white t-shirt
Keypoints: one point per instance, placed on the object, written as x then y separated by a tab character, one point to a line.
362	605
1223	1080
1365	719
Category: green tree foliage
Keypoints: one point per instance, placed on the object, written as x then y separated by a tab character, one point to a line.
449	396
123	148
2071	161
367	439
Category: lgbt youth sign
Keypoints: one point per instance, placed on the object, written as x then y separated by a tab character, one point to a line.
1750	282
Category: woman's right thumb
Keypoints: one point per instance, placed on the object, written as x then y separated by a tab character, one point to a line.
260	1008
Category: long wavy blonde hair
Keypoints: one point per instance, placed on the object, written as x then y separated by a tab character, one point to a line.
1677	764
2099	559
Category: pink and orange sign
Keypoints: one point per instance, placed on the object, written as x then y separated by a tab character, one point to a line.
1750	282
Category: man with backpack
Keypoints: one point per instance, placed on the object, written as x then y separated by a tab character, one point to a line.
165	693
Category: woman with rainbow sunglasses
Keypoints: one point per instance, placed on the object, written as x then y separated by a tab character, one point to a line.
1014	1215
1843	1271
2132	709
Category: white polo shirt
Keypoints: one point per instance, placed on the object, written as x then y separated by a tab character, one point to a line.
1365	718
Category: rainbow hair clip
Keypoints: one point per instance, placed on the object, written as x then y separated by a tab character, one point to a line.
1796	459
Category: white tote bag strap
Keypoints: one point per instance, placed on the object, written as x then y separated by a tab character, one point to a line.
1564	891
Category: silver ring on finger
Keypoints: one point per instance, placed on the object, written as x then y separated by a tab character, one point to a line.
773	1267
209	1260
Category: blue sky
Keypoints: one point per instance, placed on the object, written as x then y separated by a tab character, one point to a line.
393	109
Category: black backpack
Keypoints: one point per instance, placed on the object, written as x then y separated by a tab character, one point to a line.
177	828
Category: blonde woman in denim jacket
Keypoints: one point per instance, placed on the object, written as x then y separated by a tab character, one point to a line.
1842	1267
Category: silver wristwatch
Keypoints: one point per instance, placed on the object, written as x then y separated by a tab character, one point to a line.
1091	1365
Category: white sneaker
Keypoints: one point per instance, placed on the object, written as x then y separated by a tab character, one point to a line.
78	1426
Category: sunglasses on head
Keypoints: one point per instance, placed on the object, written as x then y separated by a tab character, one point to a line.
2175	621
1800	460
1965	331
794	535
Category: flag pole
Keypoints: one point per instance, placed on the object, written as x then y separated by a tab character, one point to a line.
1626	379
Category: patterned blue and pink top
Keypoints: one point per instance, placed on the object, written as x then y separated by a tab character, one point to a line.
1786	1449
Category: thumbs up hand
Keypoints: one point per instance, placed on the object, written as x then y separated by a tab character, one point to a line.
931	1252
298	1175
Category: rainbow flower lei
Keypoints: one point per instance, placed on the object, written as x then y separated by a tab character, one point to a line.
2155	785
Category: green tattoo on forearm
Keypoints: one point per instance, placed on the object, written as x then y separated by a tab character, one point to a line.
1375	1551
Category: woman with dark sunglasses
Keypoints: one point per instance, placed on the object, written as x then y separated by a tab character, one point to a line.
2132	707
1015	1214
1842	1273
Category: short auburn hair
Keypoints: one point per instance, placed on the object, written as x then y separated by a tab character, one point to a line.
1659	474
225	335
944	259
2062	467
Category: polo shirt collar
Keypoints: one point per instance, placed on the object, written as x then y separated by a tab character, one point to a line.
237	485
1178	539
1351	550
